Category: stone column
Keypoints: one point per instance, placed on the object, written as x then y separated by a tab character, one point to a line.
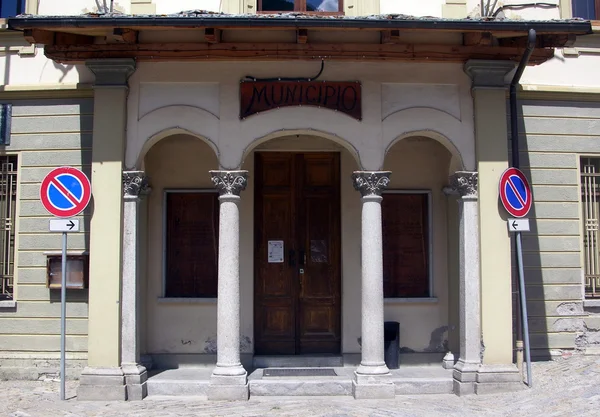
229	378
372	378
103	378
465	371
497	371
135	186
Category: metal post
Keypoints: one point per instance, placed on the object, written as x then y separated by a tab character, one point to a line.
63	314
524	308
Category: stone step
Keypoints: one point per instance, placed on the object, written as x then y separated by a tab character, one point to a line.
300	387
179	382
298	361
416	386
178	388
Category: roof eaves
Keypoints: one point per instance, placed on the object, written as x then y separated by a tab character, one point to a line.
197	18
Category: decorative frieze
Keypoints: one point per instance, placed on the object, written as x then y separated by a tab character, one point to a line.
371	183
229	182
135	183
464	183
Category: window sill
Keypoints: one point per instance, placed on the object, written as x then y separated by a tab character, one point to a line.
421	300
8	304
591	303
184	300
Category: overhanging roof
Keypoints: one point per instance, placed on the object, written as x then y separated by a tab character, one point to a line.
292	36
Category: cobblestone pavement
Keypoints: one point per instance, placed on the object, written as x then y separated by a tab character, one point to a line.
565	387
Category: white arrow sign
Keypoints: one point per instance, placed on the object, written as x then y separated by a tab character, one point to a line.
518	225
64	225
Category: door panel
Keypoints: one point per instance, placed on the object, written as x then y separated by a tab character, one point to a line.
275	292
297	302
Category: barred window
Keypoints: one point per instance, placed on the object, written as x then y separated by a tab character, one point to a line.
8	204
590	171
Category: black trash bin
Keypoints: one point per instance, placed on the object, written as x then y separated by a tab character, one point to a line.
391	332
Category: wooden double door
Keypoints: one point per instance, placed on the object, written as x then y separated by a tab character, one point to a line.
297	253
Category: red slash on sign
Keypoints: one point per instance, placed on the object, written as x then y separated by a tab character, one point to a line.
515	192
65	192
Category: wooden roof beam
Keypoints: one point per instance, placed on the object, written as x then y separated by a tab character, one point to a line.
124	36
390	36
212	35
478	38
39	36
287	51
302	36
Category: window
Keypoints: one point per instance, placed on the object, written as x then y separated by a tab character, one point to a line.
192	244
586	9
314	6
8	204
11	8
406	244
590	171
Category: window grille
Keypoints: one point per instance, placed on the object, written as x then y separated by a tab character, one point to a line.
590	191
8	204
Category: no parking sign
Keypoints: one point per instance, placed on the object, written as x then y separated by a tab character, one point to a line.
515	192
65	192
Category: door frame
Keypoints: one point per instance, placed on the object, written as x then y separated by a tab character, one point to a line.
338	239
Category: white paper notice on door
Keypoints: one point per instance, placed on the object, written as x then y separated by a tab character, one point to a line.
275	251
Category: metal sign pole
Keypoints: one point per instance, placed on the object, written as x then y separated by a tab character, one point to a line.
524	307
58	185
63	314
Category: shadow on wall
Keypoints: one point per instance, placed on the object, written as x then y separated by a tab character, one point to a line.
551	250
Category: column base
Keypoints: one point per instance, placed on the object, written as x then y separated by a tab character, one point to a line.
494	379
373	386
135	381
465	375
228	384
102	384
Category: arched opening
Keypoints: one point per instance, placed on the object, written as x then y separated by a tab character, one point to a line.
180	218
308	140
305	247
417	275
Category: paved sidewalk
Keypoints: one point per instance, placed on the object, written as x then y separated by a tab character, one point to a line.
566	387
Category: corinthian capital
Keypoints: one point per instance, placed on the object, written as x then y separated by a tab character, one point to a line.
229	182
464	183
371	183
134	184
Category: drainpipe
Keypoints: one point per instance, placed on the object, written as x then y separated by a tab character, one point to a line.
522	324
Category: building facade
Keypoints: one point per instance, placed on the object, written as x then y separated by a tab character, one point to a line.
269	188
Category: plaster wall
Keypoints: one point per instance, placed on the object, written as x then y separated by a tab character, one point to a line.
77	7
35	69
398	100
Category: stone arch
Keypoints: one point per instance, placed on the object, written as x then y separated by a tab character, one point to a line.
353	135
456	136
307	132
456	161
153	140
167	121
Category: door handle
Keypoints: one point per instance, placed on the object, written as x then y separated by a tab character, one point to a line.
292	257
302	258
